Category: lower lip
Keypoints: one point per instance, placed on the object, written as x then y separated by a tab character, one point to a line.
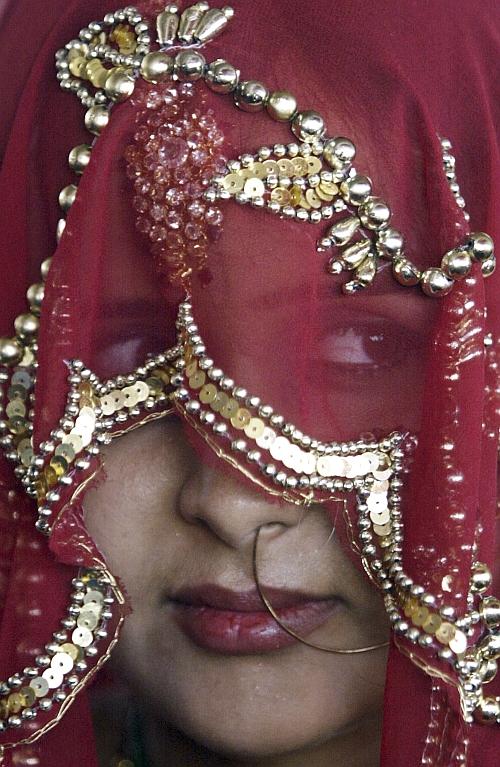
241	633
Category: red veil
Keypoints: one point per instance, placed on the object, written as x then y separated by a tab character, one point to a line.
393	79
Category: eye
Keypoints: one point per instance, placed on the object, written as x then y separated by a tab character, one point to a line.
367	348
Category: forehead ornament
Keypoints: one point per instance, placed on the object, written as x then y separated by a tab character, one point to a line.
311	179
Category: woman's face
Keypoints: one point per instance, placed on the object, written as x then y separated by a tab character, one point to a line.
199	646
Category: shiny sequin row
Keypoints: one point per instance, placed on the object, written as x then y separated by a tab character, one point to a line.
65	663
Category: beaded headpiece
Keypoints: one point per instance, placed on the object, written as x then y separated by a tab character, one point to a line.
312	180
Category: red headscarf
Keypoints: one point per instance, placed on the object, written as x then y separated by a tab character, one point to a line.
391	78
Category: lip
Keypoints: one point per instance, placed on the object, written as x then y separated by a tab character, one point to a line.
237	623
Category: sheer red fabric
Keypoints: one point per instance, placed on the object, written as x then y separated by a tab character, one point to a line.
391	78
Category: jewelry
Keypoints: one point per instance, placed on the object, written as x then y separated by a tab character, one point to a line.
110	56
288	630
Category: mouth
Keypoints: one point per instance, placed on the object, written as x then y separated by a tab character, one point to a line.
237	622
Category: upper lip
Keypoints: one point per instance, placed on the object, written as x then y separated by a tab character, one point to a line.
220	598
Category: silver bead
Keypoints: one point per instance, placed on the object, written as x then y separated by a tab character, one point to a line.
251	96
435	283
189	65
390	243
189	21
79	158
45	268
488	266
26	326
487	711
167	24
221	77
374	213
281	106
11	352
405	272
489	610
457	263
481	246
339	152
480	578
212	23
156	67
67	197
61	226
308	126
356	190
119	85
355	254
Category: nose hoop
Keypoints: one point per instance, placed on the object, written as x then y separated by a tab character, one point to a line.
229	508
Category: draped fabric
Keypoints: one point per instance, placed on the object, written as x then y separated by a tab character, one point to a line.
391	77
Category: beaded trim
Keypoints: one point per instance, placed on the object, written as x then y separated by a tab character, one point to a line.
111	55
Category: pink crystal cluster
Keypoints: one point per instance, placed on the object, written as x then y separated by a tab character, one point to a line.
176	151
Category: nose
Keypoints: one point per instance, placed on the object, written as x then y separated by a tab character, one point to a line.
231	508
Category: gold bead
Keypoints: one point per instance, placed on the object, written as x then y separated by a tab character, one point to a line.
67	197
26	326
78	67
281	106
480	578
35	297
119	85
96	119
156	67
79	158
97	73
10	352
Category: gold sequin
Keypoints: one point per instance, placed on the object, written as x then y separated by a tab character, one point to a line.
131	397
219	402
281	195
313	199
445	632
208	394
254	187
254	428
87	619
17	425
17	391
382	529
230	409
154	385
420	615
295	195
233	183
241	419
59	465
77	66
16	408
271	167
259	170
286	167
432	623
66	451
15	702
191	368
28	695
197	380
74	652
4	710
75	441
380	516
328	189
313	165
323	194
303	203
50	476
300	166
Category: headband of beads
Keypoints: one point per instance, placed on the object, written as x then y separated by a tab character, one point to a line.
309	181
248	434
